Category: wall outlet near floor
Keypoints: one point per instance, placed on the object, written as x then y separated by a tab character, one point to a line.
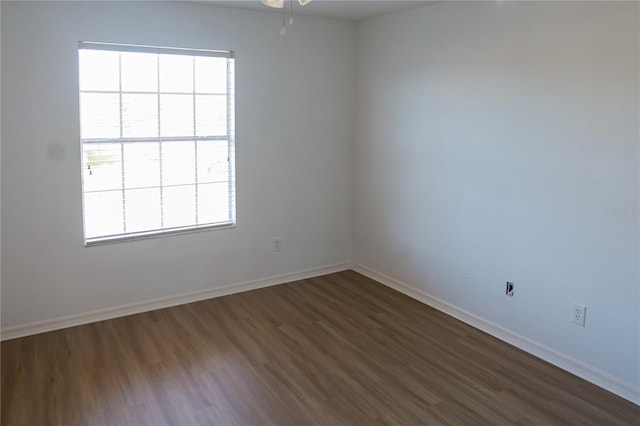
277	245
578	313
510	288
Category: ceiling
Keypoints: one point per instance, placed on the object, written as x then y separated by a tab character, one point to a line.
352	10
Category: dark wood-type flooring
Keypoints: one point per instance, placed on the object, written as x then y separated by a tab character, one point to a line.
333	350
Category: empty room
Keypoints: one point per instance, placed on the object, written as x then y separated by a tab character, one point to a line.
320	212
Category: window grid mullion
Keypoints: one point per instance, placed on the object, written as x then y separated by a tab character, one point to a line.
155	140
141	92
160	148
175	185
230	143
122	159
195	143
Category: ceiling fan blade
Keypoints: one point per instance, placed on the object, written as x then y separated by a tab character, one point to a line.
279	4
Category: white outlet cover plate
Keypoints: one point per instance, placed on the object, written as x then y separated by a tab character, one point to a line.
578	313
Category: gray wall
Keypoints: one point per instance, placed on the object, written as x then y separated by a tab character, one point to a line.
499	141
294	106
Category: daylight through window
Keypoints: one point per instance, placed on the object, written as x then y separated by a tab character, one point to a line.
157	132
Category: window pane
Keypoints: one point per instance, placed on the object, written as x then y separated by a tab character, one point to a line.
176	115
142	209
139	72
178	204
103	213
178	163
213	203
176	73
100	115
211	115
143	170
211	75
102	167
139	115
213	161
99	70
141	164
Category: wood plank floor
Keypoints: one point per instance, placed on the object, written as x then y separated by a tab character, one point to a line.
333	350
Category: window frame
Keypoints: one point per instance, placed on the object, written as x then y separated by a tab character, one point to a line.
122	141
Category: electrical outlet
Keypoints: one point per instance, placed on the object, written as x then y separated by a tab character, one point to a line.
578	314
509	289
276	244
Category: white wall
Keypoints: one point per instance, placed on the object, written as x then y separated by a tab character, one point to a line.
493	139
294	134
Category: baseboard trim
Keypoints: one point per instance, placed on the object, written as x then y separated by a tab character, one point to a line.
567	363
37	327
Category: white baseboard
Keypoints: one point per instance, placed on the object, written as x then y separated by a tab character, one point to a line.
572	365
37	327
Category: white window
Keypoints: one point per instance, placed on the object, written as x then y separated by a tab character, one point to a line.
157	133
